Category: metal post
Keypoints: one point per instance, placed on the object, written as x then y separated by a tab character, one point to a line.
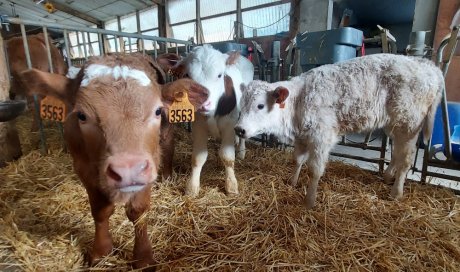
100	42
129	45
177	49
143	46
43	147
78	44
90	46
116	43
48	51
50	63
67	47
84	46
383	153
155	48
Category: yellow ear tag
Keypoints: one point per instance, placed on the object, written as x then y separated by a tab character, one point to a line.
181	110
53	109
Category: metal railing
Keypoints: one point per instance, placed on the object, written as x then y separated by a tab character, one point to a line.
160	45
443	62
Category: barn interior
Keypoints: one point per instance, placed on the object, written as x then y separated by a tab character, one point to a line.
46	222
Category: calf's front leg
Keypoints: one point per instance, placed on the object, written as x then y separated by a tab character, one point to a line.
199	154
135	208
241	152
101	209
227	155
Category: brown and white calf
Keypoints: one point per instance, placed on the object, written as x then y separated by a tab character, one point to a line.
397	93
222	74
113	134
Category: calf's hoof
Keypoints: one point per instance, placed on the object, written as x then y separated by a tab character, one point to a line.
144	265
241	155
309	203
93	257
293	182
192	191
231	187
98	252
396	194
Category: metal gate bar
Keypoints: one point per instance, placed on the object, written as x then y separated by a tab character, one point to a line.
443	62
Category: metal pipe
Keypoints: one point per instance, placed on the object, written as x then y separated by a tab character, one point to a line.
78	45
155	50
115	38
43	147
443	63
360	158
85	52
177	49
93	30
90	46
129	45
143	46
100	42
48	50
67	47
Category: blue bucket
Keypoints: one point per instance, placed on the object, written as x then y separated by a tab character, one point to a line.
437	138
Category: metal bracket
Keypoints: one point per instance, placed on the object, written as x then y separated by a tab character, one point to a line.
4	22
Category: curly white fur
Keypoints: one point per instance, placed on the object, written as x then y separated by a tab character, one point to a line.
397	93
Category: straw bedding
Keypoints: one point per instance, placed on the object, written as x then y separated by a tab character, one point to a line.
45	223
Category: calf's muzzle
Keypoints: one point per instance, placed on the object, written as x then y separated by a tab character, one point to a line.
129	173
240	132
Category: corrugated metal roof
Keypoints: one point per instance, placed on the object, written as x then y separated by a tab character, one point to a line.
101	10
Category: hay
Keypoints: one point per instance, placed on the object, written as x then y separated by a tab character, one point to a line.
46	225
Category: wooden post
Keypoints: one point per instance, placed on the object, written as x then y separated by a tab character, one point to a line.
10	147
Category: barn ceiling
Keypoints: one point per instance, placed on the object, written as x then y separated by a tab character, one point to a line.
72	12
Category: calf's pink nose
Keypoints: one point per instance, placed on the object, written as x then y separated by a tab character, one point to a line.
128	170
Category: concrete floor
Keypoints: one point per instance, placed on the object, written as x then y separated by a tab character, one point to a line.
376	141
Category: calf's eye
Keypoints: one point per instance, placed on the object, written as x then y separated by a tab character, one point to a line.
81	116
219	76
260	106
158	112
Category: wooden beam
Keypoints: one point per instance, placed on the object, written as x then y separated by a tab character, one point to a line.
76	13
294	18
159	2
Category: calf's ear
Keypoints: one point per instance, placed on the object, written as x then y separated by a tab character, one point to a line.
171	64
197	94
232	57
280	94
44	83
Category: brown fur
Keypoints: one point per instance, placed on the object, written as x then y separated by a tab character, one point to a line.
227	102
232	57
39	58
119	120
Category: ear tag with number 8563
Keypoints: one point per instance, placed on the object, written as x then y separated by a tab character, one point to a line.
181	109
53	109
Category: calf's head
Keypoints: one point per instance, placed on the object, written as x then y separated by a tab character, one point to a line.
114	125
208	67
262	104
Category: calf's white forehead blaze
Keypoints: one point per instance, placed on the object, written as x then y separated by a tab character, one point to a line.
97	70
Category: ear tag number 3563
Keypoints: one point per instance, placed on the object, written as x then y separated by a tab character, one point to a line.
53	109
181	109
